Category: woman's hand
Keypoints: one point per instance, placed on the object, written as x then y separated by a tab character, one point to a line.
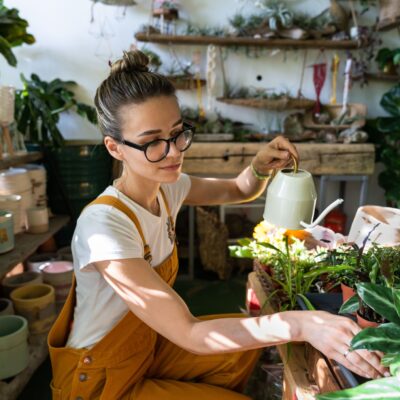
275	155
332	334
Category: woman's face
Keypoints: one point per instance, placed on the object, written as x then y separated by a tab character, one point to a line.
156	118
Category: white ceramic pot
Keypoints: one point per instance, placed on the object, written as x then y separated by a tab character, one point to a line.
59	275
14	353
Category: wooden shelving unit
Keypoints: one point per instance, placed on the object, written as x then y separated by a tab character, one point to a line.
248	41
27	243
376	76
12	161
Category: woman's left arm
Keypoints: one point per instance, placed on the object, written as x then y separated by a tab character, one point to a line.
246	186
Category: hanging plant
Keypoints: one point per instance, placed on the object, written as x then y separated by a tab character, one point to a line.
12	32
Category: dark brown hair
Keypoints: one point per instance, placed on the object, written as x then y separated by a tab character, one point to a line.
129	82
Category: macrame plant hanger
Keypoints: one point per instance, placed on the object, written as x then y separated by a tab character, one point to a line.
319	77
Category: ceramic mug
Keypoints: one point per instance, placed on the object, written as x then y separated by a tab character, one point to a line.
38	219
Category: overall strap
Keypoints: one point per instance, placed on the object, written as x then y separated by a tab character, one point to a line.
121	206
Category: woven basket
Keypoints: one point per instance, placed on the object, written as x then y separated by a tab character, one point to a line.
389	14
184	82
213	246
334	112
279	104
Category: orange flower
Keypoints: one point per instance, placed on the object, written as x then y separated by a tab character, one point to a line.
300	234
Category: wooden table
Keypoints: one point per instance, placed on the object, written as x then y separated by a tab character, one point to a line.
231	158
306	371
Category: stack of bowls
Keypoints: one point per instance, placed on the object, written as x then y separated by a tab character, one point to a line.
12	203
58	274
17	181
37	174
24	278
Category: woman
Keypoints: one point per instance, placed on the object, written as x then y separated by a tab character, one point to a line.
124	333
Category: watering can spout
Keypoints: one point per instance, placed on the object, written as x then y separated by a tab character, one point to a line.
322	215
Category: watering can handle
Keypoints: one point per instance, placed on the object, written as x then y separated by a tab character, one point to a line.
295	163
322	215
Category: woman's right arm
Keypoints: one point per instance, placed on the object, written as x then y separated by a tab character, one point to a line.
160	307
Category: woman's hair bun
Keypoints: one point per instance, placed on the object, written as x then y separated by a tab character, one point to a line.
132	61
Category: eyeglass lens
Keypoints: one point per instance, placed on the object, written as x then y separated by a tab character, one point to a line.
159	149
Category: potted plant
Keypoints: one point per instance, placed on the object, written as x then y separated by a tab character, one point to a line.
385	338
385	133
12	32
168	9
381	265
76	173
291	266
388	60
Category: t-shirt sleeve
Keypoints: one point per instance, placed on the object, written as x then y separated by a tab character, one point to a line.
105	233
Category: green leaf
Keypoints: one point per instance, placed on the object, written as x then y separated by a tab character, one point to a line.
380	299
389	358
396	300
5	50
240	252
379	389
350	306
327	270
384	338
307	302
391	101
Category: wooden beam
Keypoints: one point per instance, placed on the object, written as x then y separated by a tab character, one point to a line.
247	41
318	158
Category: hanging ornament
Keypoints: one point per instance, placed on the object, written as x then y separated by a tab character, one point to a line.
211	75
319	76
334	69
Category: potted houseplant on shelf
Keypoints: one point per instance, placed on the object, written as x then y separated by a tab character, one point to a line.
388	60
13	32
385	133
385	338
76	173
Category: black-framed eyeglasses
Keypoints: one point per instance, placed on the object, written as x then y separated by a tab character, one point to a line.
158	149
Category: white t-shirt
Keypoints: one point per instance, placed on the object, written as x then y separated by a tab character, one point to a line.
105	233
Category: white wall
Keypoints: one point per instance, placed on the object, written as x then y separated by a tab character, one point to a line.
69	46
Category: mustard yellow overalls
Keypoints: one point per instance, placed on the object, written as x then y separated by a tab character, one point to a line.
134	362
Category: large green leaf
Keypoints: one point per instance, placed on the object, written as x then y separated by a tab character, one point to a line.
384	338
5	50
391	101
379	389
327	270
396	300
350	306
388	124
380	299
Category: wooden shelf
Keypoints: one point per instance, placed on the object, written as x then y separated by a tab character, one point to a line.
377	77
388	24
27	243
247	41
11	161
230	158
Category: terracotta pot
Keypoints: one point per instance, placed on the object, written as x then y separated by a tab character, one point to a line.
364	323
347	292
